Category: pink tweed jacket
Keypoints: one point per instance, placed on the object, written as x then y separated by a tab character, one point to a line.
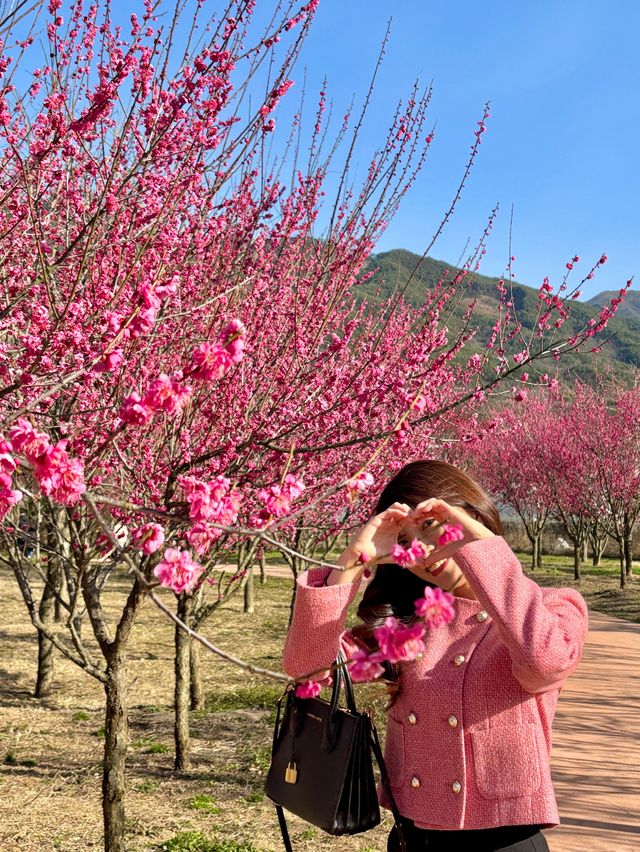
469	736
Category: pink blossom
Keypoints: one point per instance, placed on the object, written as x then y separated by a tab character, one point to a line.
134	411
364	666
209	361
407	557
232	338
8	496
357	484
397	642
211	501
261	520
7	461
202	536
293	486
166	394
110	362
308	689
278	498
451	532
60	476
521	356
148	538
475	362
27	441
436	607
177	570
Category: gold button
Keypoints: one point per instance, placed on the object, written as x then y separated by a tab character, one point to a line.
419	656
459	660
412	718
482	615
456	786
415	782
453	722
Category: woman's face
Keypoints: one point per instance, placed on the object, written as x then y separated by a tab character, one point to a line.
445	574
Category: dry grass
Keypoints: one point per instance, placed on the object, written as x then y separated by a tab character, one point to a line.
50	777
50	789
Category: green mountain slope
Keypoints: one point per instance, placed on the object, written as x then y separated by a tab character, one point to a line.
394	268
630	308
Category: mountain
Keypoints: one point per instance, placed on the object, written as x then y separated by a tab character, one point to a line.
392	269
629	308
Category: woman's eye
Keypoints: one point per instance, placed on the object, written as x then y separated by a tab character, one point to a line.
427	523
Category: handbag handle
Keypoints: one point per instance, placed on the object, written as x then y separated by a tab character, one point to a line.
341	678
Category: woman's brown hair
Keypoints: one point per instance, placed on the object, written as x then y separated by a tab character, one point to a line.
393	591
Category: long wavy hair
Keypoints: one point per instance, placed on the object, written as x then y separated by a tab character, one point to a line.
392	591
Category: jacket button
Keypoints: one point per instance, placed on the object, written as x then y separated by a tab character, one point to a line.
483	615
412	718
459	660
456	786
453	721
415	782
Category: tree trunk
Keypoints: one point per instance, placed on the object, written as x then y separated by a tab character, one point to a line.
628	556
539	552
622	563
534	552
249	592
46	611
577	561
263	569
116	728
197	692
628	546
181	695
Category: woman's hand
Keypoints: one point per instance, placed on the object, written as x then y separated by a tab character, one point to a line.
430	517
373	542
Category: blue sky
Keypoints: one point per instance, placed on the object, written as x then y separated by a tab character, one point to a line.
562	141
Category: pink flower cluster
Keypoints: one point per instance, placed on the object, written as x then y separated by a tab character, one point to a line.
58	475
209	502
452	532
164	394
178	571
357	484
435	607
277	500
398	642
148	538
8	496
213	360
409	556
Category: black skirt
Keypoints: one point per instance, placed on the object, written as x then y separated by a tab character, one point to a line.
510	838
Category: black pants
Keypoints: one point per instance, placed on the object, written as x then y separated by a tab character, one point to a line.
511	838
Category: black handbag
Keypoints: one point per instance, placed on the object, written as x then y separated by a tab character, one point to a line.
321	762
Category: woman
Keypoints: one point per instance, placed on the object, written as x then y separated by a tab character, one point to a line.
469	725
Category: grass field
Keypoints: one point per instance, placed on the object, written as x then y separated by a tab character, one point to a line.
50	751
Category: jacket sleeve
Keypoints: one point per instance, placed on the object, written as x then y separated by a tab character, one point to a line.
544	629
317	630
